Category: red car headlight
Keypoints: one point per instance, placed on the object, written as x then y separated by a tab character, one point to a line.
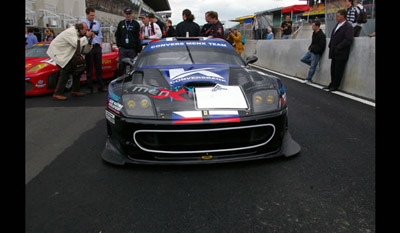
38	67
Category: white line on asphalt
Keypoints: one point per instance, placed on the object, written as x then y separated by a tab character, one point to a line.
370	103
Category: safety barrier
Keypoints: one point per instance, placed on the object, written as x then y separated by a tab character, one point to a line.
284	56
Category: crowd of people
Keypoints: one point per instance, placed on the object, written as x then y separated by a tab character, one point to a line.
86	37
129	35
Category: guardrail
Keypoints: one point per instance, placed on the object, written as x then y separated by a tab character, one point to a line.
284	56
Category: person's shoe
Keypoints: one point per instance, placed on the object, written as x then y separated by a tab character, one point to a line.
333	89
326	88
59	97
77	93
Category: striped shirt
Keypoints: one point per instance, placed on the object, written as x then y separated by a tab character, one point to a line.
351	15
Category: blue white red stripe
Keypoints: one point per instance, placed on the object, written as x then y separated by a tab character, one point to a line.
224	116
187	117
180	117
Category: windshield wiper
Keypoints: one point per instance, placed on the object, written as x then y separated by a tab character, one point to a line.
190	54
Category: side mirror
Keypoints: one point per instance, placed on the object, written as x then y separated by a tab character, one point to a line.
251	60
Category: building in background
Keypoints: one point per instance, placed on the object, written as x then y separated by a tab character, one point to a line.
323	10
61	14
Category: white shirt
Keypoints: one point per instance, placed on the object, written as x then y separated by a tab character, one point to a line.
157	31
339	25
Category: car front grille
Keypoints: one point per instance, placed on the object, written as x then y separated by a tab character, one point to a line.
186	141
28	86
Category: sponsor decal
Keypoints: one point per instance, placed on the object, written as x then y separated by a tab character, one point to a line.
106	62
40	84
50	61
167	44
114	106
110	117
210	73
163	93
174	95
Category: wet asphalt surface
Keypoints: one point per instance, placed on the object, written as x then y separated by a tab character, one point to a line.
328	187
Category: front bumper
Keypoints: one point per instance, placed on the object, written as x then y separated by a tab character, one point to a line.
160	142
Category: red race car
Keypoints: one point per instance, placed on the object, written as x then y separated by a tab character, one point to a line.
41	72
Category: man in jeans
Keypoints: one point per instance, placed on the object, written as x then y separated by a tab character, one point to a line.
315	50
286	28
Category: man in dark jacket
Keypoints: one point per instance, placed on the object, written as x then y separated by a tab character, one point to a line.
339	49
216	30
187	28
127	38
315	50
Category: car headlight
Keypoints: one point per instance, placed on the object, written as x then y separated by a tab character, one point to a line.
38	67
138	105
266	101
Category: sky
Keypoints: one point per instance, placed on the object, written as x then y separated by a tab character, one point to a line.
226	9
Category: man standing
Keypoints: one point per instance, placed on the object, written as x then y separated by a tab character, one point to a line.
31	39
286	28
361	17
187	28
339	49
127	38
206	26
94	57
153	19
315	50
149	30
62	49
216	30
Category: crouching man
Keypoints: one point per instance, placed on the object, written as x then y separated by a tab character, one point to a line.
62	49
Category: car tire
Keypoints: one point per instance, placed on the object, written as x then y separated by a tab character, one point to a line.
68	85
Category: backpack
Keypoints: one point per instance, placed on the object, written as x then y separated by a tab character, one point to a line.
362	16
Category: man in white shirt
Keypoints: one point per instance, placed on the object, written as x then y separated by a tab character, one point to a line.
61	50
149	30
339	49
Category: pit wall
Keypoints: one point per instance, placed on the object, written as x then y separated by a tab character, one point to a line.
284	56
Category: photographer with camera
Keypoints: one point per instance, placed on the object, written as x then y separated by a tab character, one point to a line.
63	50
236	37
94	57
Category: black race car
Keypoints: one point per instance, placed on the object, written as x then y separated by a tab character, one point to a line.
195	100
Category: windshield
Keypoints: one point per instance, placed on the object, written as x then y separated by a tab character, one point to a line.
189	55
210	55
38	50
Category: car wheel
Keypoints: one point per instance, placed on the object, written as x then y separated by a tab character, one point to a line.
68	86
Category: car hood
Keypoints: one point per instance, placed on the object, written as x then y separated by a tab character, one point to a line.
33	61
190	91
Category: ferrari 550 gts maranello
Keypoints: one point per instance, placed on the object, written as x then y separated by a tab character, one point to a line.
190	101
